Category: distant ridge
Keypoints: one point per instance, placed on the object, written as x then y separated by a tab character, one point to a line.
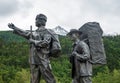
60	31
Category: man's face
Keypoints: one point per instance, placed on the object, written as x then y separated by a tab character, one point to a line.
73	36
40	22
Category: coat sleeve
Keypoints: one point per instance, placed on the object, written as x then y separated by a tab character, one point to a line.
85	54
22	33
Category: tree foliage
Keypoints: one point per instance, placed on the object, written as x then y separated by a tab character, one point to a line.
14	66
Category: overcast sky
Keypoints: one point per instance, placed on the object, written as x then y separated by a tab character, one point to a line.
66	13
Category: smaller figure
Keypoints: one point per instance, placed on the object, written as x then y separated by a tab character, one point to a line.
80	59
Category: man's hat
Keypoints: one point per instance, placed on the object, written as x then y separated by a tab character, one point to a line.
41	16
74	31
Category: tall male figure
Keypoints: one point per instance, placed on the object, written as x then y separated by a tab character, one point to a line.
80	59
40	45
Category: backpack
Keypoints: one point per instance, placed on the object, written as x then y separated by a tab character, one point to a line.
92	35
55	47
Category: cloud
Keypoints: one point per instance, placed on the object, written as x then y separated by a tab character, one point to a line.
10	7
75	13
24	7
103	7
68	14
106	12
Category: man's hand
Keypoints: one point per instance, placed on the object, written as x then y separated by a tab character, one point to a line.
44	44
31	41
79	57
74	53
11	25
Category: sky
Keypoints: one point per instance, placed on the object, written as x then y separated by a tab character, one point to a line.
68	14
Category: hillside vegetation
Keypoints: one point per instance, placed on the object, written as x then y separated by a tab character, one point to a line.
14	66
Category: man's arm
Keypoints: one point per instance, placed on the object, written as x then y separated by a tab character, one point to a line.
18	31
86	52
42	43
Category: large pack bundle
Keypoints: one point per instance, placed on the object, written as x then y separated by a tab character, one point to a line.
92	35
55	44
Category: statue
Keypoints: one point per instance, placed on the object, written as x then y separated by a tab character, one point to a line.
80	59
43	44
88	50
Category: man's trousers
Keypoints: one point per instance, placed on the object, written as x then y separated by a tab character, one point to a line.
40	70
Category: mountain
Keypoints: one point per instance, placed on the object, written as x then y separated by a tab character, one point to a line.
60	31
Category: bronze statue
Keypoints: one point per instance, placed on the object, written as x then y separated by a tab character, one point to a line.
41	48
88	50
80	59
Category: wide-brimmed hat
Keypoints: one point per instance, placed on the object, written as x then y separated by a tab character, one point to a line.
74	31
